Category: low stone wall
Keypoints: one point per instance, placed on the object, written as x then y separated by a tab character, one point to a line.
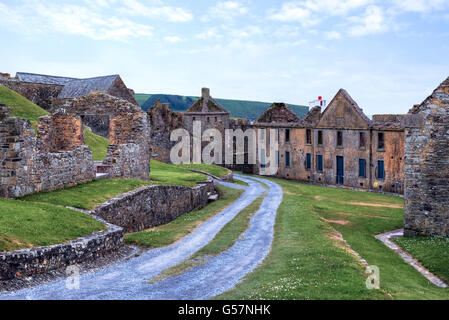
33	261
154	205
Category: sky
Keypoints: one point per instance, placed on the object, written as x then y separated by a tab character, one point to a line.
388	54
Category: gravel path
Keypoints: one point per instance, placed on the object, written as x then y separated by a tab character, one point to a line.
127	280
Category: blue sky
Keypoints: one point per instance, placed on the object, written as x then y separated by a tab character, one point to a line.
388	55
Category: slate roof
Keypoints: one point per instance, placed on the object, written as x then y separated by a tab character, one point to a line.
43	78
207	105
82	87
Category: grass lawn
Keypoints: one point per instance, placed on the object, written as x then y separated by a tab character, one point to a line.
27	225
306	262
433	253
240	182
170	174
209	168
222	241
169	233
87	195
98	144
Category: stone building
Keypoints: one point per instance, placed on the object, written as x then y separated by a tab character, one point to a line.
163	121
43	89
54	159
339	146
427	166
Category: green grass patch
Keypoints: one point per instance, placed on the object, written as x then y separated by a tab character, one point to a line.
170	174
169	233
433	253
305	263
222	241
20	106
209	168
98	144
27	225
87	195
241	183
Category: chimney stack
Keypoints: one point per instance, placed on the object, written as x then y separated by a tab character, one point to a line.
205	93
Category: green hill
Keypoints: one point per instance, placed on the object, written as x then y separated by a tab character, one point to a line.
238	108
24	108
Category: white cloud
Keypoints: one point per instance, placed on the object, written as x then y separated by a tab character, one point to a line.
293	12
372	22
173	39
158	10
210	33
335	35
225	10
74	20
422	6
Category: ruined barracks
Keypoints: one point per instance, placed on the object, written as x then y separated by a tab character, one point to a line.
339	145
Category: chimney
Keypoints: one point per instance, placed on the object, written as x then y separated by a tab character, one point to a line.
205	93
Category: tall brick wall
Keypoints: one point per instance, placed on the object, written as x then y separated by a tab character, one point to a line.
48	162
426	166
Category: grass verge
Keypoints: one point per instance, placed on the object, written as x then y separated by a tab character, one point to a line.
169	233
87	195
27	225
433	253
240	182
222	241
162	173
209	168
305	263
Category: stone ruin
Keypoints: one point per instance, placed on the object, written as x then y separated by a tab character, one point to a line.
56	158
162	122
427	166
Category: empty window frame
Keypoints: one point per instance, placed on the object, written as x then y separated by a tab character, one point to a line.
320	138
362	168
380	141
262	158
339	138
380	170
308	136
362	140
287	158
319	163
308	161
287	135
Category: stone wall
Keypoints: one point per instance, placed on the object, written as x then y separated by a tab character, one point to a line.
97	110
426	166
56	159
39	260
151	206
40	94
163	121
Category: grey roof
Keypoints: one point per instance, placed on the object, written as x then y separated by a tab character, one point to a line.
42	78
82	87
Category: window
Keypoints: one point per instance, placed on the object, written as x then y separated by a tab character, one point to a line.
362	141
277	158
308	161
194	118
262	158
380	170
287	159
362	168
320	138
287	135
339	139
308	136
380	141
216	119
319	163
208	119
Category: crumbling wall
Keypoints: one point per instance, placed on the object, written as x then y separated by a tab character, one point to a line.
97	110
56	159
40	94
129	150
162	122
426	166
